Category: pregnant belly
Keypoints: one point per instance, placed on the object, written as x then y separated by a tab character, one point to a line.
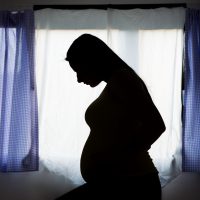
101	160
95	160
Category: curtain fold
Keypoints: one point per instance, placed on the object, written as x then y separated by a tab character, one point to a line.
191	114
18	100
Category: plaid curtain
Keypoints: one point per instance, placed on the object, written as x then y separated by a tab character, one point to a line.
191	111
18	100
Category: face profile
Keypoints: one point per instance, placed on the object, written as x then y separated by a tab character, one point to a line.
87	78
92	60
85	74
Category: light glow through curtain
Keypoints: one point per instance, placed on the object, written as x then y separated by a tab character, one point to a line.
191	134
18	101
150	41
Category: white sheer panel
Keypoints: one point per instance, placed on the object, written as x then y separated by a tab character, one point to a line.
62	103
154	53
160	65
149	19
125	44
71	19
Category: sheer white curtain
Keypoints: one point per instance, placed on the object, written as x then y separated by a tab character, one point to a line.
160	65
150	41
62	101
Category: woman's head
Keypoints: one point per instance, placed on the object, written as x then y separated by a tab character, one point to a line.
92	59
87	49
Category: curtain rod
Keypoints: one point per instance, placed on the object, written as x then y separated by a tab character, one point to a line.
106	6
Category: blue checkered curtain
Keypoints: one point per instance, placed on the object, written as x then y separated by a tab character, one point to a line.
191	114
18	101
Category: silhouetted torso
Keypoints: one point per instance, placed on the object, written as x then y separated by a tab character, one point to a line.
119	122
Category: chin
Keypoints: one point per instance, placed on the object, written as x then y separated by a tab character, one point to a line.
93	84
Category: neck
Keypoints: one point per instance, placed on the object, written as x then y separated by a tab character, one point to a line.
112	72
